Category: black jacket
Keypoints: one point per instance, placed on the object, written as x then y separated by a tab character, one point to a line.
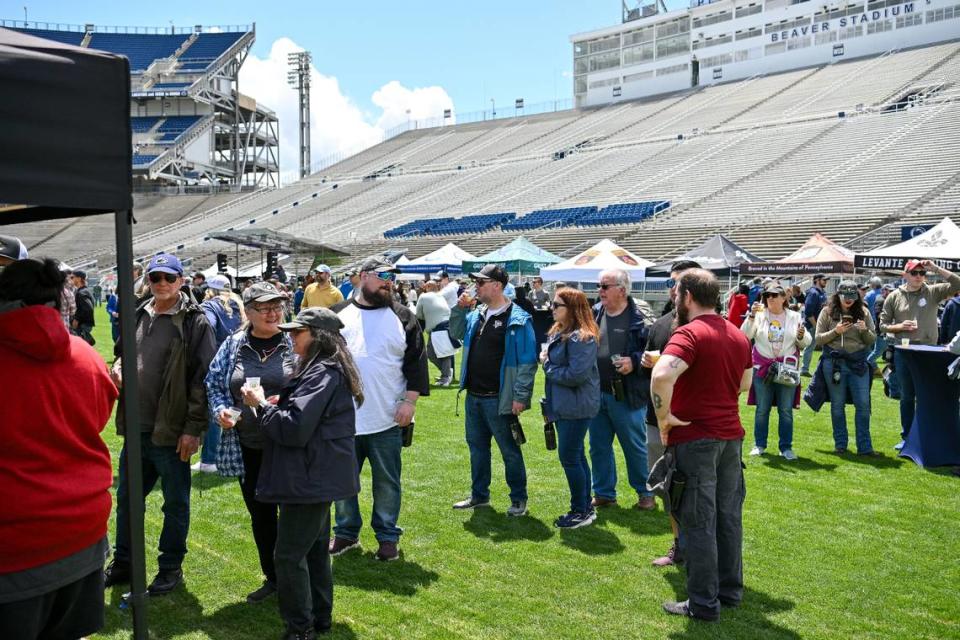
309	454
636	390
84	314
657	339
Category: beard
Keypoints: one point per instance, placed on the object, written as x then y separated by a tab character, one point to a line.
683	313
377	297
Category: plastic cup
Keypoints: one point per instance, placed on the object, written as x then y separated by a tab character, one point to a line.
253	383
234	413
904	342
654	356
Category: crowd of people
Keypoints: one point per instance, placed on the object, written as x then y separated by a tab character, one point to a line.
292	390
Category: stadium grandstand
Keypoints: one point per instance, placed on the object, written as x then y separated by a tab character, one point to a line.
852	146
190	124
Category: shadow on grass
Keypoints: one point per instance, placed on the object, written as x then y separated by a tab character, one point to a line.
487	522
880	462
643	523
362	571
205	481
180	614
592	541
794	466
748	620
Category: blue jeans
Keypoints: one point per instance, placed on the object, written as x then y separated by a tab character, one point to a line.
768	394
159	463
573	459
878	347
383	451
858	386
483	421
630	427
808	352
211	442
908	395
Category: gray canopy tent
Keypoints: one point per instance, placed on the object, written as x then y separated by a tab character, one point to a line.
67	153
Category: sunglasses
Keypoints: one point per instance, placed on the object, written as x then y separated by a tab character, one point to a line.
918	272
671	283
556	305
387	276
608	286
158	277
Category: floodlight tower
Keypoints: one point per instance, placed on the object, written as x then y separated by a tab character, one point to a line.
299	78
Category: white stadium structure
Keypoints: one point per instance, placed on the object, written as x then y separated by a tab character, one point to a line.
764	121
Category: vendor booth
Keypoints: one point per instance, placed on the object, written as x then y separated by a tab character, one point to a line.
819	254
588	265
520	257
940	244
449	258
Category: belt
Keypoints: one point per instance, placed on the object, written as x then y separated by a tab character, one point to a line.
489	394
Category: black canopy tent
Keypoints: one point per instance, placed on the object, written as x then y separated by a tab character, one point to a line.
270	240
67	153
718	254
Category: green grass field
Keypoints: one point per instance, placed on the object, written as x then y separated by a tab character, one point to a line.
833	548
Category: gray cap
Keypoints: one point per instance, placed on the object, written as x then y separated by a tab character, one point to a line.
848	289
377	264
316	317
12	248
261	292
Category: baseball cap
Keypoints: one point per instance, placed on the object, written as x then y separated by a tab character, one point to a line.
491	272
261	292
316	317
912	264
441	275
819	276
322	267
848	289
80	274
12	248
218	282
165	263
377	264
774	288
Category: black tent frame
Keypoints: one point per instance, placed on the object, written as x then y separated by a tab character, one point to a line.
61	162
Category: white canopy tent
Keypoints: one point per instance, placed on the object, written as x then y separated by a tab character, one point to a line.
940	244
448	258
587	266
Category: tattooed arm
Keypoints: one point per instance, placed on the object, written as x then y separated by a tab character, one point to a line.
663	379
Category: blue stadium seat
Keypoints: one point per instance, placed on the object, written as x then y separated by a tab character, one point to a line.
206	49
66	37
140	49
139	160
143	124
415	227
471	224
553	218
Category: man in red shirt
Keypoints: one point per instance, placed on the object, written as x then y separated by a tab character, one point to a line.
695	388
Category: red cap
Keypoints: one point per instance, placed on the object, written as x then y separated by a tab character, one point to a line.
912	264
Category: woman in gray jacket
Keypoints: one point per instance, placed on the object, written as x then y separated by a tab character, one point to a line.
573	395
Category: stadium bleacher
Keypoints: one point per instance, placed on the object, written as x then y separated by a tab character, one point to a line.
140	48
66	37
415	228
206	49
549	218
471	224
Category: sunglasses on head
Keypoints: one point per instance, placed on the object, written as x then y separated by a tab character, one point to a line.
388	276
918	272
157	276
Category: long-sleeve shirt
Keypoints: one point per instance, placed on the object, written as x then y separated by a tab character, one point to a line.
919	305
773	337
851	341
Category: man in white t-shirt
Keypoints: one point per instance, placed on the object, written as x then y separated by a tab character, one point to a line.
386	342
449	289
434	313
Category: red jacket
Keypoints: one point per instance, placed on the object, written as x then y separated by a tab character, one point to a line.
738	309
55	470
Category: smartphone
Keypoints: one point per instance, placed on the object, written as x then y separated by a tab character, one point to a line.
846	319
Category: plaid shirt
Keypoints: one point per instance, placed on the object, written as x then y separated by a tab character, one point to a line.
68	305
219	397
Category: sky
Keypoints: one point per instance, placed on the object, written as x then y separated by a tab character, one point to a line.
373	61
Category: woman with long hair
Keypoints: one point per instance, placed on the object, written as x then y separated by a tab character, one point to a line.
572	395
309	461
261	351
846	332
777	334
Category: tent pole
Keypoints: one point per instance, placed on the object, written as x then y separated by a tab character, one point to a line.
131	414
236	276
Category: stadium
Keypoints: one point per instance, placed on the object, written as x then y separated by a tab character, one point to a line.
763	121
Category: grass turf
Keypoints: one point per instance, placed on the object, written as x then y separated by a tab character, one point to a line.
834	547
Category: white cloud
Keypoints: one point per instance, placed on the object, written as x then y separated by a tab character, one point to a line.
338	125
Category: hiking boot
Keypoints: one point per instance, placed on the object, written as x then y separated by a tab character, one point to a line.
265	591
116	573
575	520
165	581
599	503
339	546
673	556
388	551
517	508
683	609
645	503
471	503
322	626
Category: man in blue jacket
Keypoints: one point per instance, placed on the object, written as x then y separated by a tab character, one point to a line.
623	393
497	370
816	298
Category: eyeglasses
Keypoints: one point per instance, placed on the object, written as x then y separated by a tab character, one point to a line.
388	276
479	282
607	286
274	308
556	305
918	272
158	276
671	283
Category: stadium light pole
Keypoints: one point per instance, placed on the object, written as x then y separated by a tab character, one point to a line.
299	78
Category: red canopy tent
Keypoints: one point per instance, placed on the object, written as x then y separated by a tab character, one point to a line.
819	254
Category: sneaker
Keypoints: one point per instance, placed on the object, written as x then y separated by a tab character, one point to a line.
265	591
575	520
388	551
471	503
788	454
444	382
203	467
673	556
840	451
645	503
116	573
899	445
757	451
518	508
340	546
599	503
683	609
165	581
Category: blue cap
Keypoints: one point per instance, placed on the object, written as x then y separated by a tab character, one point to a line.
165	263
